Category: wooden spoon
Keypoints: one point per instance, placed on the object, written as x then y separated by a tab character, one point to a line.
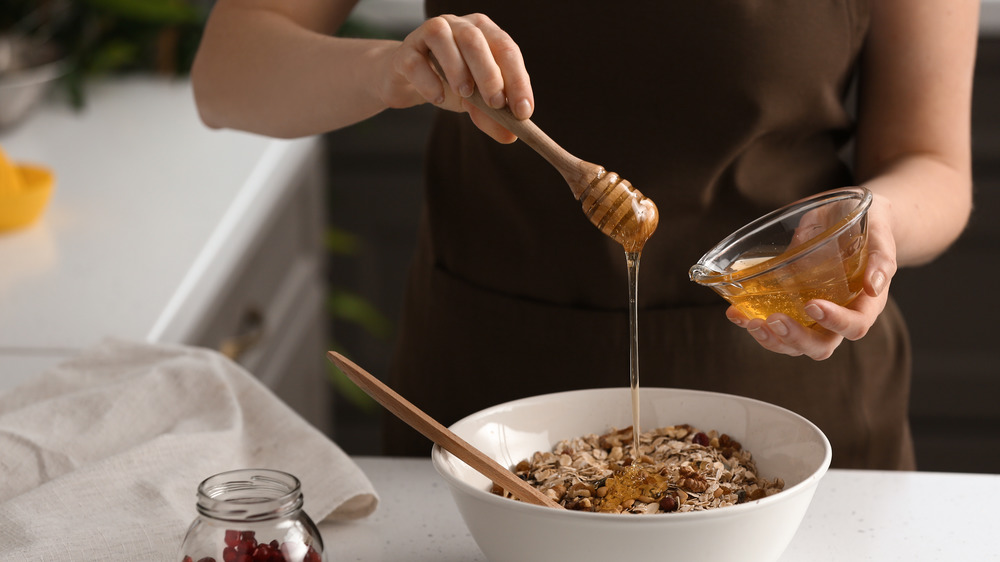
611	203
439	434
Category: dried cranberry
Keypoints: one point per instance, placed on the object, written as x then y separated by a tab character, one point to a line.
232	537
701	439
229	554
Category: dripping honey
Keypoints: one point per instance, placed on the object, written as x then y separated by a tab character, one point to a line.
632	261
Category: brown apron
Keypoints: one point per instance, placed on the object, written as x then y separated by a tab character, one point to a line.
719	111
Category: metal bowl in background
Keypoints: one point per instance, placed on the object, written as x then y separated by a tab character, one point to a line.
28	69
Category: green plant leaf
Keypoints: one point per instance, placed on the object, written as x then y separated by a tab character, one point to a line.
341	242
112	56
351	307
168	12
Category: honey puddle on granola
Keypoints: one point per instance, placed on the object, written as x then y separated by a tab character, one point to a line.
676	468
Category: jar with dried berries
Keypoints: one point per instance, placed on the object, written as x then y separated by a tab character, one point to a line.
251	515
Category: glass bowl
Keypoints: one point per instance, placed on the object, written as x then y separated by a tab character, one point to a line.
816	248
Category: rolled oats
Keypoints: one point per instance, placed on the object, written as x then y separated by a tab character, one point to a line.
679	468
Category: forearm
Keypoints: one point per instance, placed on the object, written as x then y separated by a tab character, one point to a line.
930	205
914	129
260	71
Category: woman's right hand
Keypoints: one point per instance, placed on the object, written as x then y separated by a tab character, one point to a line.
474	53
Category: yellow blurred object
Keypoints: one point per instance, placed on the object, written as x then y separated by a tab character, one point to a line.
10	180
23	200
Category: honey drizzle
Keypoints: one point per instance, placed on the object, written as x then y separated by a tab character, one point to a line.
629	218
632	261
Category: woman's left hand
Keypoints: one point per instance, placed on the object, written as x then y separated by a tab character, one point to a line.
781	334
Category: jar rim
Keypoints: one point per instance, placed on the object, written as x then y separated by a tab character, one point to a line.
249	494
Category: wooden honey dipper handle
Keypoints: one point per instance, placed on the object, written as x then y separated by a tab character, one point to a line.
578	173
610	202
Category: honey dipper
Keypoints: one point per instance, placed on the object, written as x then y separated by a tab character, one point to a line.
610	202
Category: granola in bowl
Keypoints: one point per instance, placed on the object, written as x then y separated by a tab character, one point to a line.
679	468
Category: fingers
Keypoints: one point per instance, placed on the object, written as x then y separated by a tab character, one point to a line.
488	125
474	53
881	248
517	86
780	334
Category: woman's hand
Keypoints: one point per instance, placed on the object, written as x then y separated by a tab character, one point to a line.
474	53
781	334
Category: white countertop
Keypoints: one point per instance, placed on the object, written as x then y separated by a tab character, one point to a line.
149	210
855	515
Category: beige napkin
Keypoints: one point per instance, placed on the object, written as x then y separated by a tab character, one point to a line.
101	457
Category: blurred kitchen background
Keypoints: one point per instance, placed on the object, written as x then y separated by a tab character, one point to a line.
376	165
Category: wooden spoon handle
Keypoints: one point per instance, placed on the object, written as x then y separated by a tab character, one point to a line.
439	434
577	173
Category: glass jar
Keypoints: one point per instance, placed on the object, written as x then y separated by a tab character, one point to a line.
251	515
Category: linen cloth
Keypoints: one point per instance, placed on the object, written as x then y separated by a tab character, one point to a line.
101	457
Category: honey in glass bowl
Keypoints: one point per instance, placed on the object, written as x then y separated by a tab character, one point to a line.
816	248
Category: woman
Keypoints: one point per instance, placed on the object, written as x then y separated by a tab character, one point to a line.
718	111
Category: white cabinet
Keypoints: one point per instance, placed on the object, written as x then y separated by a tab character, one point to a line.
162	230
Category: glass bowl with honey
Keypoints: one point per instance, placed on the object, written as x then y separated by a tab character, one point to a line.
815	248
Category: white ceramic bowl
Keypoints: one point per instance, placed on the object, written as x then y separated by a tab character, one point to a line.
783	444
